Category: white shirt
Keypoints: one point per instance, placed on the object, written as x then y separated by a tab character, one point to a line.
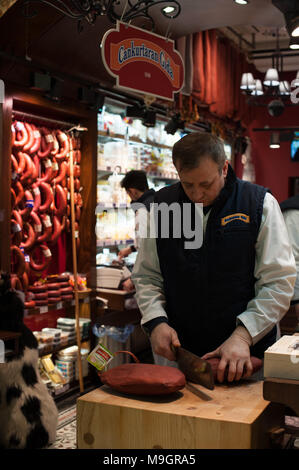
291	218
275	271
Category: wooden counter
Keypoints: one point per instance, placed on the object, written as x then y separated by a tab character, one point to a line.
229	417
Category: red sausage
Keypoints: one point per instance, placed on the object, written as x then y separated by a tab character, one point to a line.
30	140
16	232
67	297
13	135
29	168
47	143
62	173
64	144
17	216
48	173
41	296
37	225
37	197
38	288
15	282
21	134
53	286
47	197
29	204
29	236
25	281
21	162
29	304
54	293
20	192
59	207
66	290
47	229
57	229
37	139
14	165
55	145
34	266
19	265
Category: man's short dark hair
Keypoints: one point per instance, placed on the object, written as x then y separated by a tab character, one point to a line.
135	179
189	150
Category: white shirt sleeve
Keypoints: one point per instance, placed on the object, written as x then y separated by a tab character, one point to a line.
291	218
275	273
148	281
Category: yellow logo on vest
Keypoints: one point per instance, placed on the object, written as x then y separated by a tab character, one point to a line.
238	216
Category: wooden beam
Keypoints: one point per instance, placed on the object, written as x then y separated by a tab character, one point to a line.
5	5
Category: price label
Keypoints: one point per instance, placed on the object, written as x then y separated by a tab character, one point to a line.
59	305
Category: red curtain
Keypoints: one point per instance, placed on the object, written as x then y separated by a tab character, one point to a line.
218	68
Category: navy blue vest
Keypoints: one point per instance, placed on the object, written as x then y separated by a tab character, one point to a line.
207	288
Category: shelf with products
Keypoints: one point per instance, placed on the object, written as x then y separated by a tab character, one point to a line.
133	140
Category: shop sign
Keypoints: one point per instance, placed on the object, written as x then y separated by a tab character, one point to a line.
142	61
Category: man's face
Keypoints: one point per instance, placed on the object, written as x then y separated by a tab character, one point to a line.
203	183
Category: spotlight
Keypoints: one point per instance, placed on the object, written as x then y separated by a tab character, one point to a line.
242	2
149	118
86	95
274	141
40	81
170	11
275	108
98	102
136	111
55	91
174	124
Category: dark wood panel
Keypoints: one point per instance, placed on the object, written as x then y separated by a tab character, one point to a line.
5	175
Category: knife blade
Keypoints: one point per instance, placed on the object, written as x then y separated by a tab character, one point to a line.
196	370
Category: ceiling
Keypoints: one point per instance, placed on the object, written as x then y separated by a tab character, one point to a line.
53	40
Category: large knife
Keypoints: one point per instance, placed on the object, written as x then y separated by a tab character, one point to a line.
195	369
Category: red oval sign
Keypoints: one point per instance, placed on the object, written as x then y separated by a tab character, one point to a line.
142	61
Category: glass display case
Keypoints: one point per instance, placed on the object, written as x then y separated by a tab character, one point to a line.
125	144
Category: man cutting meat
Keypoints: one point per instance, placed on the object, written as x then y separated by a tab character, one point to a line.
225	298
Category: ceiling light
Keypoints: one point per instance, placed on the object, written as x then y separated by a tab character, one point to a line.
271	78
284	88
247	82
168	10
258	90
241	2
294	43
274	140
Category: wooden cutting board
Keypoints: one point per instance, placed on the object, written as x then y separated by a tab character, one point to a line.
228	417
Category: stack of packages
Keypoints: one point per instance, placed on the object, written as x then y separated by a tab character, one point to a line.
68	325
45	341
57	335
67	363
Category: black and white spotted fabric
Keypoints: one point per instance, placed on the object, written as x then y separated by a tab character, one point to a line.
28	414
